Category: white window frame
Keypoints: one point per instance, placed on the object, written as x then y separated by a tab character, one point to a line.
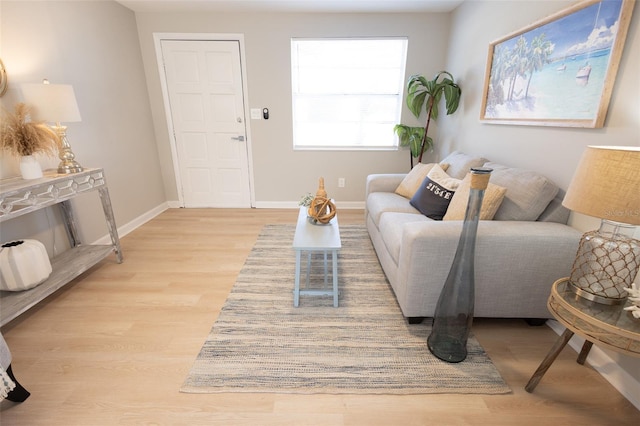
304	98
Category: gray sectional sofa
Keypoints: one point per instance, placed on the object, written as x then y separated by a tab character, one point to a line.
519	253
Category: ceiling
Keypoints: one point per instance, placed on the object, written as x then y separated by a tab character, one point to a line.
327	6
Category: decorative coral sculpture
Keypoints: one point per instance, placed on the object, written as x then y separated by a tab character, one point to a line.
634	297
321	209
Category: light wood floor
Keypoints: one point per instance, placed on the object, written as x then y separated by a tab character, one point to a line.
114	347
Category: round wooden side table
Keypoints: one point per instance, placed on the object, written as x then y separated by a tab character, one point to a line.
608	326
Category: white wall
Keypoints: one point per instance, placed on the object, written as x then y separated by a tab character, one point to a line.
555	152
280	173
94	47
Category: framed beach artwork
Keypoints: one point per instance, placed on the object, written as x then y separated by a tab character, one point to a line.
558	71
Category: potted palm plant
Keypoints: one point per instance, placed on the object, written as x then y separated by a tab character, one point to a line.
24	138
426	94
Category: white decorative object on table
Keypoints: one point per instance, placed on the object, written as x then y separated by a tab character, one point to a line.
634	297
30	167
23	265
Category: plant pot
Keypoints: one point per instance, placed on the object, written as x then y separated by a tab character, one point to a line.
30	167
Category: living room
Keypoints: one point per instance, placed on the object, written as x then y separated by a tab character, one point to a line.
106	51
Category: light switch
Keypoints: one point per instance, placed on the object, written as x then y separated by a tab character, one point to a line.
256	113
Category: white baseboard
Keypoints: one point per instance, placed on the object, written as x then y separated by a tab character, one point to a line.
347	205
135	223
142	219
624	383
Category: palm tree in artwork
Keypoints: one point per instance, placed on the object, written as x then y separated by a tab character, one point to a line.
497	76
517	64
541	49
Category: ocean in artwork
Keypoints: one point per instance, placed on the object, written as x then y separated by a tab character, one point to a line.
569	88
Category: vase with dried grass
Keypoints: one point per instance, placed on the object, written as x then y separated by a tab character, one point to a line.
23	138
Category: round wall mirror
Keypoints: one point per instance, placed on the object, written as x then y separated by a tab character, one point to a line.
3	79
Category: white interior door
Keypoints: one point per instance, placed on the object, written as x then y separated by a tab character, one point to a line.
205	90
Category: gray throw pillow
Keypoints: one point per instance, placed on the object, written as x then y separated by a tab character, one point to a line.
528	193
460	164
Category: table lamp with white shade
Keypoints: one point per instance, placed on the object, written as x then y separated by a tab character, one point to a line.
55	103
606	185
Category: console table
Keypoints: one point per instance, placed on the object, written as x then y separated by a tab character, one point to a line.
19	197
606	325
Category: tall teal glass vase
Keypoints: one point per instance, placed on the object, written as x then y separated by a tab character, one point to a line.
454	312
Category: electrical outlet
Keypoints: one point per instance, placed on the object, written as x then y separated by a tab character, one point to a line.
341	182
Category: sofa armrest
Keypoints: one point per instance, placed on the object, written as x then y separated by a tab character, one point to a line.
512	259
387	182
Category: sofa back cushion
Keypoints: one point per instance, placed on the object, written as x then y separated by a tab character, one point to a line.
460	164
555	211
434	195
528	193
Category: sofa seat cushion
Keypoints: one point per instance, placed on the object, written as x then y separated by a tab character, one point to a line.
391	228
380	202
528	193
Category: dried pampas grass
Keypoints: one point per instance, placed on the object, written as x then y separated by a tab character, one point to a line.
21	136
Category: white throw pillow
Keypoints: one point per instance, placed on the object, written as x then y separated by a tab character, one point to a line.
414	178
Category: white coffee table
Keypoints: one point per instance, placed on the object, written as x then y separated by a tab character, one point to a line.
316	238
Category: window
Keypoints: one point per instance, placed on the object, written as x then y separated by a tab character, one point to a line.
347	93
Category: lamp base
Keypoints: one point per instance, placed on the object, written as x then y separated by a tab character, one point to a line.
594	297
606	263
67	167
68	164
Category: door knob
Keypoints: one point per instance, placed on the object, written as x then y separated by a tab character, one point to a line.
239	138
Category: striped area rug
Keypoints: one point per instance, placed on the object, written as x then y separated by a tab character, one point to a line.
261	343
